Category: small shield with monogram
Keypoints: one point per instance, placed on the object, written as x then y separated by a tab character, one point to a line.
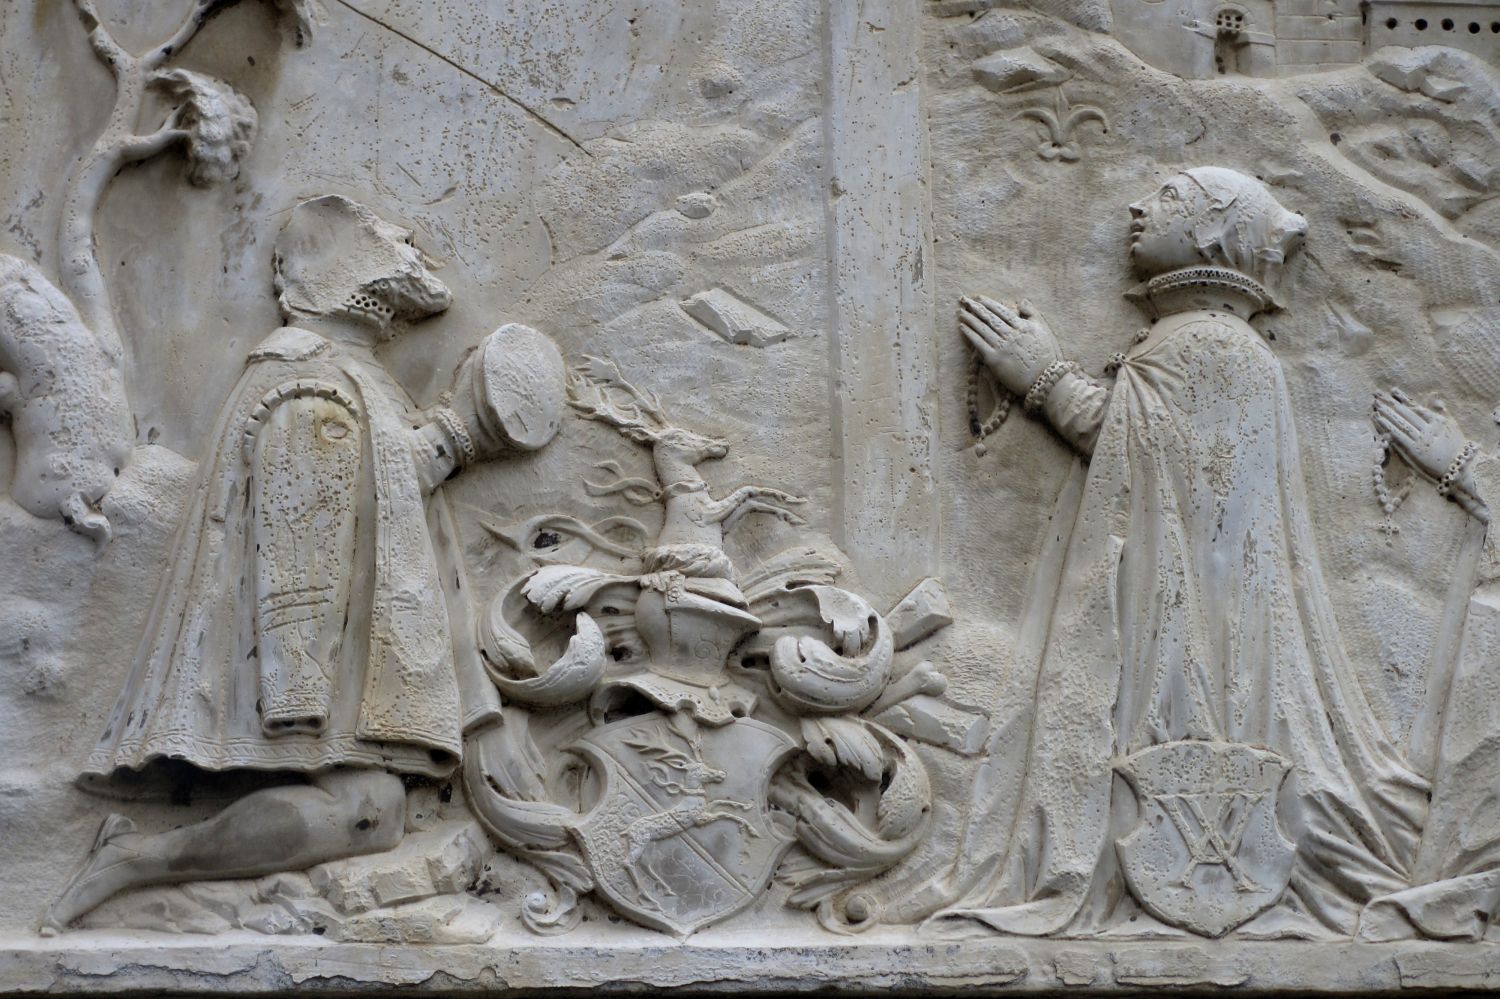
1208	854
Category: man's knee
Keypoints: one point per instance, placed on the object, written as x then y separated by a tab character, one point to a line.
373	805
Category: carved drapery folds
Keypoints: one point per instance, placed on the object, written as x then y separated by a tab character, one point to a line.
1193	685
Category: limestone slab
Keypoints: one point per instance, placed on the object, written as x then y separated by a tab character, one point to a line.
802	496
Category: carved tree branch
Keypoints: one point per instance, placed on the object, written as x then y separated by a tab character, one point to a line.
118	145
115	58
82	277
143	147
202	11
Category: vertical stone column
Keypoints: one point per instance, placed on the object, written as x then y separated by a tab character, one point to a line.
882	353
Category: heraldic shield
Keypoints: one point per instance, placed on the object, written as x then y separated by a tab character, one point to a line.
1208	854
682	835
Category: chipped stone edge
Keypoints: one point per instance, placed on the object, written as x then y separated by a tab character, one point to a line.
161	965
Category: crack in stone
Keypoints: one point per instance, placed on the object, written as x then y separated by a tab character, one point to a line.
466	71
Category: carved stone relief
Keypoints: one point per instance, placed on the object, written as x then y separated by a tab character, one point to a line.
793	495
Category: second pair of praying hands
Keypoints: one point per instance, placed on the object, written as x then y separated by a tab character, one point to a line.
1431	441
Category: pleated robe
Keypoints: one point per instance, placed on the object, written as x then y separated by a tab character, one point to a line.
398	679
1186	602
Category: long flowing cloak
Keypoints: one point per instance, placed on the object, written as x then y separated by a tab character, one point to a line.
402	678
1188	603
1455	893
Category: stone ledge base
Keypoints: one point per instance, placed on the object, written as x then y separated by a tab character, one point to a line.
246	964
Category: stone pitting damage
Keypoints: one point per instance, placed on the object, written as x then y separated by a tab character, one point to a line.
942	495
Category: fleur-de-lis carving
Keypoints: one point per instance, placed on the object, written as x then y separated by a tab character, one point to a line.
1061	123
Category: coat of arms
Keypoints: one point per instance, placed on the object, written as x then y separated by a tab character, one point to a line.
682	835
1208	854
741	725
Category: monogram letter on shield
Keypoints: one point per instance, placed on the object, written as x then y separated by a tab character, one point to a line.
1208	853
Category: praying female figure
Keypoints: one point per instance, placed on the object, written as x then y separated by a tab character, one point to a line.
1455	882
1183	611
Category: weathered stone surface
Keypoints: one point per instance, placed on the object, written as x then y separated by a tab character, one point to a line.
923	495
921	613
287	905
711	965
437	919
1015	68
416	893
735	320
443	860
932	721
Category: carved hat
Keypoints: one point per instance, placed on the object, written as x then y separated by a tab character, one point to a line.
335	256
1242	226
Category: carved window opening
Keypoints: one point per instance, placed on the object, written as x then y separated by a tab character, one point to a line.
1229	39
1230	21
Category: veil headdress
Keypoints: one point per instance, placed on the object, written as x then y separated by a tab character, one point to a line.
1244	227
